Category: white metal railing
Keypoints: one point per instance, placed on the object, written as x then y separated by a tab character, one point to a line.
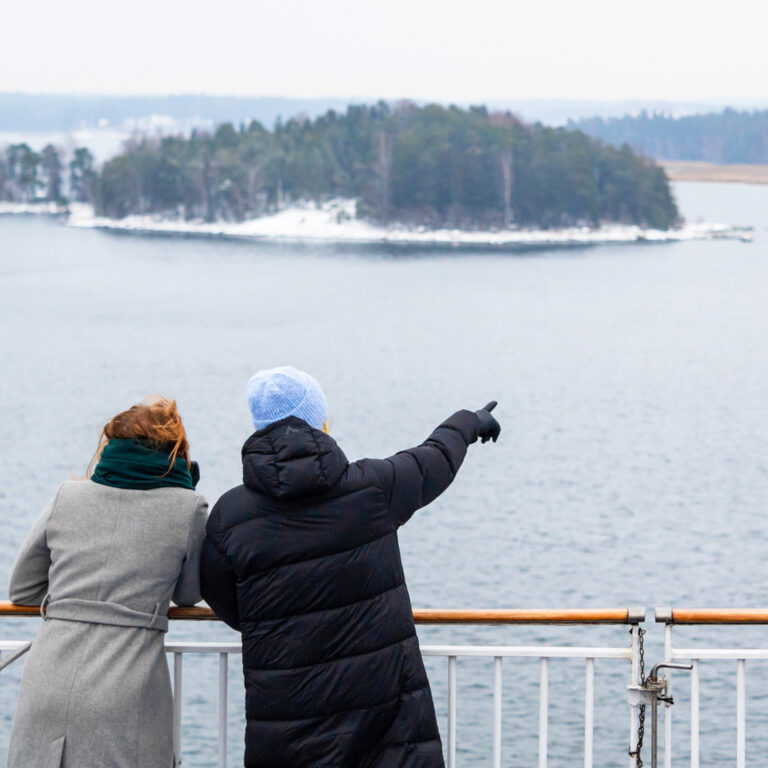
10	650
178	650
543	653
710	617
452	653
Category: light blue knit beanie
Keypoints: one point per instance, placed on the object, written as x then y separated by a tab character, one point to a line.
280	392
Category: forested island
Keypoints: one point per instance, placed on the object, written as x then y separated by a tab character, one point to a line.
427	166
728	137
27	176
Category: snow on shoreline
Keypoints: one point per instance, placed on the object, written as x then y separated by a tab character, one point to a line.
335	222
19	209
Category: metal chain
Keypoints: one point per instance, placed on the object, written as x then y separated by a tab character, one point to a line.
641	709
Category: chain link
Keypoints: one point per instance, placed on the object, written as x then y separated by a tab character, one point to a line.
641	709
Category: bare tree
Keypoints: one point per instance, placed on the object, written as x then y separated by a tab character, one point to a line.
384	155
508	173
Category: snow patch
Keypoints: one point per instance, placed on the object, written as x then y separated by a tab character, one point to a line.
8	208
336	221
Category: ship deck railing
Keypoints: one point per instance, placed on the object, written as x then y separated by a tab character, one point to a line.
710	617
628	653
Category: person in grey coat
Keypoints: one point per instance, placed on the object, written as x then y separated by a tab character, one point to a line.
104	561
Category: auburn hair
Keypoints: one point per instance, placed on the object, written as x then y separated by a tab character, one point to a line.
155	421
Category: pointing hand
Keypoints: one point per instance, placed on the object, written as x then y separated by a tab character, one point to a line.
488	428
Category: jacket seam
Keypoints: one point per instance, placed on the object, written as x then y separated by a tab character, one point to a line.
456	428
213	538
75	679
320	455
105	586
289	505
53	510
278	482
396	744
386	487
320	557
326	714
140	713
446	453
326	610
340	711
333	660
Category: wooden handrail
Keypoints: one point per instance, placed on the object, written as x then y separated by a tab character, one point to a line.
430	616
531	616
712	615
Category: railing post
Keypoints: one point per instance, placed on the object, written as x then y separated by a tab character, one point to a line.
451	712
589	713
177	662
695	713
668	710
634	680
497	712
741	713
543	711
223	658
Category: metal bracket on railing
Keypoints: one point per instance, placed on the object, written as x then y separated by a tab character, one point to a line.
652	691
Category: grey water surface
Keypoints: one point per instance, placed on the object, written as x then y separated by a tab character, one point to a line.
632	469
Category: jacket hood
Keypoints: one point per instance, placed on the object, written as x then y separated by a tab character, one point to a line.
289	459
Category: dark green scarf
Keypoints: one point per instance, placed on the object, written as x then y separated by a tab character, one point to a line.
134	465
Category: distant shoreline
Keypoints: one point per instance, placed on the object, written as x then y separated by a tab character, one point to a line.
335	221
687	170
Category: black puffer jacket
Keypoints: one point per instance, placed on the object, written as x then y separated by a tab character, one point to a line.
303	559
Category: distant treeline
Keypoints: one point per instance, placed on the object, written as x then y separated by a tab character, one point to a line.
724	137
20	112
27	176
431	165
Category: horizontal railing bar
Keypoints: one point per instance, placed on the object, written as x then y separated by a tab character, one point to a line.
192	647
531	616
429	616
712	615
527	651
719	653
490	651
8	660
12	645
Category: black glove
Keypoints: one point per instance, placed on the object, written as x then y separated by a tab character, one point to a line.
194	470
488	428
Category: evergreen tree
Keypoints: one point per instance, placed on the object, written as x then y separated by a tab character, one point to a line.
13	155
4	191
51	167
82	175
27	173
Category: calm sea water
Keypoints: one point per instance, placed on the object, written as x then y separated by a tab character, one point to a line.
633	393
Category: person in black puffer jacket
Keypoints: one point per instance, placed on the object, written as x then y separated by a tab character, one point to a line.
303	560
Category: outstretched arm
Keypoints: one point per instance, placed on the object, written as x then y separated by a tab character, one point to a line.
414	478
29	574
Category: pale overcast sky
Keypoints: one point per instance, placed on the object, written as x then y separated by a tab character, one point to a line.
471	50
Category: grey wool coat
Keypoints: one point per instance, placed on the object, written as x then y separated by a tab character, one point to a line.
105	563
